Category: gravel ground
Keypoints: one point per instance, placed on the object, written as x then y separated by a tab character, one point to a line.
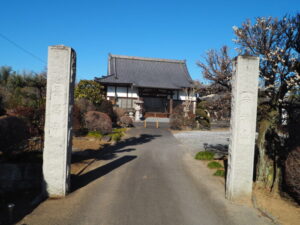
194	140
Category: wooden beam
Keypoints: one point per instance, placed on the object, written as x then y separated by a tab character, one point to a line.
171	105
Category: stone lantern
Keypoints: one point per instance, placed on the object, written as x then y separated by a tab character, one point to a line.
138	109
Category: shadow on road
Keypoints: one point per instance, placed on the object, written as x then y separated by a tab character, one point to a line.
109	152
79	181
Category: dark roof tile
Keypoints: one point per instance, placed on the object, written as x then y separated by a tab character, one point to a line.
147	72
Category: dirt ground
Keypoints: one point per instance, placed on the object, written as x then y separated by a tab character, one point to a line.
285	211
282	210
81	144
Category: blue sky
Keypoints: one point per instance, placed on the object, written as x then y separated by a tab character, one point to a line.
157	28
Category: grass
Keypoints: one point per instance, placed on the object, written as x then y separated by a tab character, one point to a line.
95	134
119	130
117	134
220	173
204	156
214	165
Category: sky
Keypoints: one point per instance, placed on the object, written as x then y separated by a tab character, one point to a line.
157	28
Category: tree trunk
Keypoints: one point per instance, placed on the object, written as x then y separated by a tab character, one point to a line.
268	172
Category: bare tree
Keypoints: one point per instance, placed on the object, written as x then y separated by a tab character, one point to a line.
217	68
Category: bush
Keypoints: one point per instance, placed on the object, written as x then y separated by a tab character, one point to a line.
214	165
34	118
2	110
77	119
220	173
126	121
13	133
91	90
292	173
119	112
107	107
176	121
205	156
84	105
202	115
179	122
97	121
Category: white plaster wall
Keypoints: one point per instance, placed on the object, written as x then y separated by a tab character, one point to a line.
122	92
183	96
110	91
133	93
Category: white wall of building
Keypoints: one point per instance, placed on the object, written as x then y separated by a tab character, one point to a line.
110	91
122	92
133	93
183	96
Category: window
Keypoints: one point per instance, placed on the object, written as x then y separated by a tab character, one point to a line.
125	103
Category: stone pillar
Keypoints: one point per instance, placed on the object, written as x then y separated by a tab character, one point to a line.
243	128
58	133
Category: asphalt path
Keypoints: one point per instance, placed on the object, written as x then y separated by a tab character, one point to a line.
149	178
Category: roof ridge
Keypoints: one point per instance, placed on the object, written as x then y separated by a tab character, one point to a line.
148	59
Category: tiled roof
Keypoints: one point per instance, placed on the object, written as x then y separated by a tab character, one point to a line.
147	72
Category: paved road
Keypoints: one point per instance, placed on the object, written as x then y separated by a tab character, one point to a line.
148	179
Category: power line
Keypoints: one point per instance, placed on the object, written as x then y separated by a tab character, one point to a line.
21	48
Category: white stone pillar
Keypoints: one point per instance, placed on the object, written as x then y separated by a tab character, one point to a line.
59	102
243	128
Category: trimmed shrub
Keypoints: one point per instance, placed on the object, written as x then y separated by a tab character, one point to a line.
202	115
98	121
119	112
214	165
84	105
107	107
13	133
126	121
292	173
205	156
